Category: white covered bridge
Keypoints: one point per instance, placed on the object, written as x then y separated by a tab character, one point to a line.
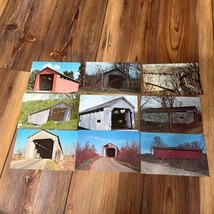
58	112
44	145
115	114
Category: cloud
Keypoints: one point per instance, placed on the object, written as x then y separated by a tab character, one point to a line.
53	66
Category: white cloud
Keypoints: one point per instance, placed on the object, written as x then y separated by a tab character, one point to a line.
53	66
76	74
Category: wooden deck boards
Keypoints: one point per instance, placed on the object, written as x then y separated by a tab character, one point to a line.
147	31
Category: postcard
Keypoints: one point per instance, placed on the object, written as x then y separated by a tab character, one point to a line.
113	151
171	79
55	77
44	149
108	112
173	154
171	114
113	77
49	111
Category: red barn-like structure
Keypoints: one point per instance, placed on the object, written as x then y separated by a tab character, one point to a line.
51	80
176	152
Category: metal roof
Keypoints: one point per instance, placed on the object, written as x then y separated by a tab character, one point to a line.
174	109
176	148
50	107
106	104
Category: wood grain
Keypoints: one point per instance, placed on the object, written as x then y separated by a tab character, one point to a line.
93	192
206	62
10	103
23	28
78	39
150	31
170	194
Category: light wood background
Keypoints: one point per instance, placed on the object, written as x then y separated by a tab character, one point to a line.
150	31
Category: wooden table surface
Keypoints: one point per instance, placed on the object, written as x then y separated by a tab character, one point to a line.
150	31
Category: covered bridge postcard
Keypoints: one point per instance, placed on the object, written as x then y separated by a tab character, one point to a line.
112	116
44	149
173	154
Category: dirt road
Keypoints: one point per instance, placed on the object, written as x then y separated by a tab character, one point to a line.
153	168
109	164
29	164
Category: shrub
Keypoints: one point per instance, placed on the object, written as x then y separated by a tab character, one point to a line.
85	153
130	154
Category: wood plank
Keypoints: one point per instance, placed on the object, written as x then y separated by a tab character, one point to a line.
23	28
130	193
206	62
93	192
177	32
3	4
149	31
10	103
80	33
170	194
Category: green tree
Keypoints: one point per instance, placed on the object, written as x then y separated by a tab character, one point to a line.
69	74
81	77
32	79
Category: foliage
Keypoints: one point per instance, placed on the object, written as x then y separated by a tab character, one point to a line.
157	142
69	74
130	154
85	153
81	73
32	79
36	105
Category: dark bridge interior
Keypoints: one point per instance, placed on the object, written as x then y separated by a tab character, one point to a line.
46	82
44	147
110	152
121	118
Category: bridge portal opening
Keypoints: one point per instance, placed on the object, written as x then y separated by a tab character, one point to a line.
111	152
121	118
43	148
46	82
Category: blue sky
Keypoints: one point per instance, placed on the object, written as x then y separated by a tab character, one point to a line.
101	138
88	101
58	66
67	138
169	139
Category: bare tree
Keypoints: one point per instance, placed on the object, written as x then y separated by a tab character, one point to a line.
167	102
127	69
156	142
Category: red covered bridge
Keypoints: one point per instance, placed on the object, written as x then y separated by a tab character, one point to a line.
51	80
177	152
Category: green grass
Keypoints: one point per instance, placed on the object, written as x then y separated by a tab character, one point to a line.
72	124
86	164
50	165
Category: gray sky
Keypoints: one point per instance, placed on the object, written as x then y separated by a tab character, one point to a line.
185	101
